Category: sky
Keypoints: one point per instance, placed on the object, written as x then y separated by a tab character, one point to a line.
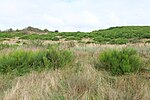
73	15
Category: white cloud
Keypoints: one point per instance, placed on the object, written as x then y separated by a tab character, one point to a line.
54	21
114	18
81	18
90	18
73	15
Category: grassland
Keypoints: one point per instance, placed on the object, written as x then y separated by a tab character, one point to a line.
62	65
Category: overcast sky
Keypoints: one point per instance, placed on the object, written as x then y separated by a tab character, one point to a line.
73	15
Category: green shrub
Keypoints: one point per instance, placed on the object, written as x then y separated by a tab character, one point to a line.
9	35
21	61
55	39
58	58
148	41
120	62
119	41
72	38
135	40
4	46
37	43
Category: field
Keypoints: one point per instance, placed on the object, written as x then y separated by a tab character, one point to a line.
43	65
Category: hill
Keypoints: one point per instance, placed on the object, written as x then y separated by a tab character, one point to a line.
112	35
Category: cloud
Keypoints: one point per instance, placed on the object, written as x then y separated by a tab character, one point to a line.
73	15
90	18
54	21
114	18
82	18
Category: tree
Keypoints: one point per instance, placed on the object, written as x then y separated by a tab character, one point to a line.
10	30
56	31
46	30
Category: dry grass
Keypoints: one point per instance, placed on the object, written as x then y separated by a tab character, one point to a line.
72	85
81	81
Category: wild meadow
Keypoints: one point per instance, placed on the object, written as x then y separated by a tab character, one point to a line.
109	64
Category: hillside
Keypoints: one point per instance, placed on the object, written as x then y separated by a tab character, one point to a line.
113	35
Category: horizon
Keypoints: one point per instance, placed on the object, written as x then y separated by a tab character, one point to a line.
76	31
73	15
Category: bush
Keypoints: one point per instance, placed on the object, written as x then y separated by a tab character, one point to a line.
58	58
56	31
46	30
72	38
120	62
119	41
21	61
148	41
135	40
37	43
4	46
55	39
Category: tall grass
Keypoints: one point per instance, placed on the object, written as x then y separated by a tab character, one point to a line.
6	46
86	84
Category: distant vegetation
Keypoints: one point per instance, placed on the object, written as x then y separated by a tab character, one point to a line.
113	35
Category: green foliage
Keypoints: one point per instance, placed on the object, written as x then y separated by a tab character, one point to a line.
135	40
4	46
49	36
120	62
72	38
20	62
9	35
120	35
148	41
58	58
55	39
37	43
113	35
119	41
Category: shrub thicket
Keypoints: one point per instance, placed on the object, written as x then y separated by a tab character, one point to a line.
120	62
21	61
113	35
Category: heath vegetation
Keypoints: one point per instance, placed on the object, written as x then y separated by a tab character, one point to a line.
109	64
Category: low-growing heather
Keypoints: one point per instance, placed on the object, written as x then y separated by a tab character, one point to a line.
119	62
